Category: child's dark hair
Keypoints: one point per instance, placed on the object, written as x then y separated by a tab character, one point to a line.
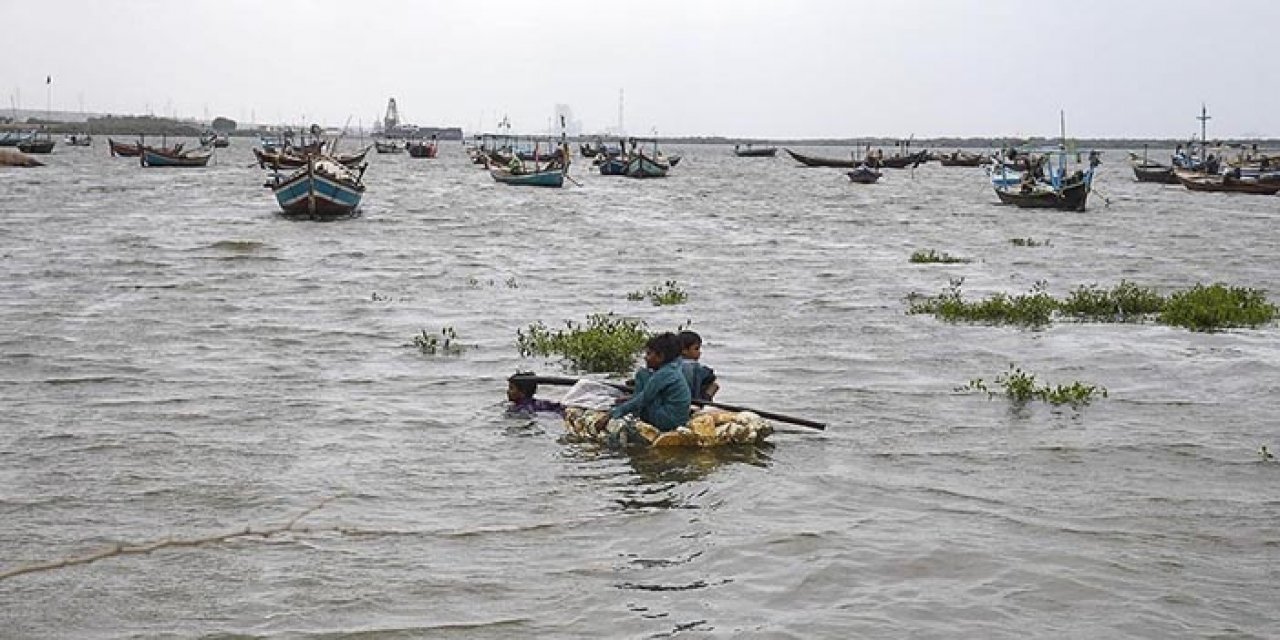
527	387
689	339
666	345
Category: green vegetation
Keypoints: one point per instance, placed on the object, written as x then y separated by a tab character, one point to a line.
1034	309
445	344
1020	387
1217	306
1028	242
932	257
605	344
1201	308
1125	301
668	294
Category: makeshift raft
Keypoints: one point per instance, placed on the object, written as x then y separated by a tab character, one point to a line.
705	429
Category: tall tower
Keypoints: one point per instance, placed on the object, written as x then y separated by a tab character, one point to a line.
621	128
392	119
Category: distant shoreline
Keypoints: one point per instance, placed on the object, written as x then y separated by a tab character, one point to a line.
154	126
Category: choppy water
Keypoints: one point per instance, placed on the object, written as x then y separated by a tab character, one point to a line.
178	360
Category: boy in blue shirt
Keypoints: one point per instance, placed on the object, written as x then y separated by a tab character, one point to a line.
662	396
701	379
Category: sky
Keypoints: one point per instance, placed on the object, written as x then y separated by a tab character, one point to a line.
732	68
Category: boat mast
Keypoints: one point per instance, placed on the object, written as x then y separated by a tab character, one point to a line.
1204	117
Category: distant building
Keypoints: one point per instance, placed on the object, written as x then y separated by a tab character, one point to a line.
391	127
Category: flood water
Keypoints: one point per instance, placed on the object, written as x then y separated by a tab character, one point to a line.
179	361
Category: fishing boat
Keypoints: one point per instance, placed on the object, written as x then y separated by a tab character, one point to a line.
154	157
388	146
1145	170
754	152
903	161
1230	182
39	142
12	138
541	178
422	148
1050	185
963	159
214	139
812	161
321	188
78	140
864	175
123	150
646	163
296	157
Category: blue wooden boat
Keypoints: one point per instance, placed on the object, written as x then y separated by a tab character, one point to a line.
615	166
640	165
153	157
323	188
542	178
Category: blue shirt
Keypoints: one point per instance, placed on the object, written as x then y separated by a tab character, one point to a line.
698	376
661	398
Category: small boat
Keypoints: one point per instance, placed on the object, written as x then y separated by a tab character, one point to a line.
134	149
615	166
671	160
153	157
864	175
640	165
422	148
811	161
322	188
12	138
963	159
903	161
214	139
78	140
1227	183
37	143
543	178
754	152
388	146
1070	196
296	157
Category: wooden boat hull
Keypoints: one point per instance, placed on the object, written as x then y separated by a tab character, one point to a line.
760	152
387	147
902	162
422	150
963	160
36	146
613	167
122	150
867	176
810	161
310	193
548	178
154	158
1223	184
287	160
1072	198
642	166
1154	173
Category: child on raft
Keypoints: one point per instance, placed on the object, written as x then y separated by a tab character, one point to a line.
662	397
701	378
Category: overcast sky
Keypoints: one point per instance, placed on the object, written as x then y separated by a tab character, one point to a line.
735	68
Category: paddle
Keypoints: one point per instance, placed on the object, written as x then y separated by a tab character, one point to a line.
778	417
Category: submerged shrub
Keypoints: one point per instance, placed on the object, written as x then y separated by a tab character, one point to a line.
1033	309
667	294
1020	387
1028	242
1125	301
605	344
445	344
1217	306
933	257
